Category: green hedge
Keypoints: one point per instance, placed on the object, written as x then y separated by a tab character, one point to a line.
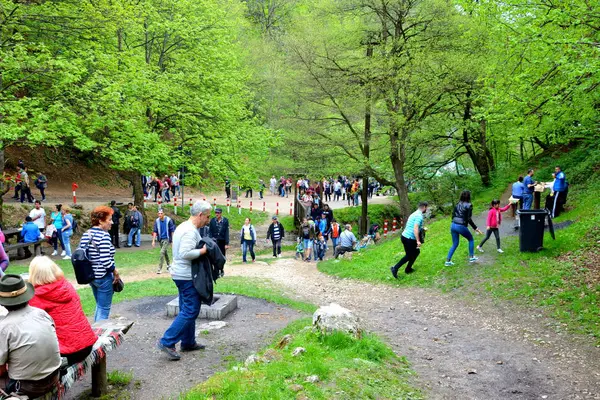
377	213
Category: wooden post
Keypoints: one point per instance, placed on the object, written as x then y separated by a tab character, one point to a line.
99	381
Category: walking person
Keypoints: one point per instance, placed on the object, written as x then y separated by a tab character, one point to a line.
102	256
559	188
411	240
67	230
175	189
494	219
336	231
218	229
276	233
163	231
25	188
136	221
308	233
56	219
41	182
114	229
248	239
272	184
528	184
227	187
461	219
186	240
166	186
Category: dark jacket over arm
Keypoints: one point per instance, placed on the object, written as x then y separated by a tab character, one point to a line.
207	269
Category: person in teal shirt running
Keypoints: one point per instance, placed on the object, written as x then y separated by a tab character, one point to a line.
411	240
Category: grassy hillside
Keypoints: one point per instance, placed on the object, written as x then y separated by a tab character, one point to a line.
564	278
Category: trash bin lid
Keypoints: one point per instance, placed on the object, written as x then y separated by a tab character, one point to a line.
532	212
551	226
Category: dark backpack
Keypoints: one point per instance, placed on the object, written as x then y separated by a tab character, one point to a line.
82	265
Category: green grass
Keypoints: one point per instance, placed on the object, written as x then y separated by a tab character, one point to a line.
119	378
557	279
347	368
262	289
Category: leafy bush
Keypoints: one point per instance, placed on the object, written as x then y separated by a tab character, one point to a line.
377	213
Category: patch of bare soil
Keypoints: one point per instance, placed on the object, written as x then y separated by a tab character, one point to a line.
460	349
249	328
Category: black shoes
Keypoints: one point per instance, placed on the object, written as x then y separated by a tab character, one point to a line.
394	272
195	347
170	351
409	270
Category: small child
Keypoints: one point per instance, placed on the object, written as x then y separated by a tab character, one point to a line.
299	248
494	219
321	247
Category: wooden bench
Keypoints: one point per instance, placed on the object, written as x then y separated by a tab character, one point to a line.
110	336
20	247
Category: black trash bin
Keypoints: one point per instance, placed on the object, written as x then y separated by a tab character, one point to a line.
531	230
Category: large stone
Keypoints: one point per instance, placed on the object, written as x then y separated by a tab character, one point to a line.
223	305
334	317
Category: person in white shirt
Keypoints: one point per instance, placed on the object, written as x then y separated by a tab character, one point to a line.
38	215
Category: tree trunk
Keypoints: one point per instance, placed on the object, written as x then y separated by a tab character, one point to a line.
477	151
138	195
4	184
364	197
366	154
522	149
540	143
397	157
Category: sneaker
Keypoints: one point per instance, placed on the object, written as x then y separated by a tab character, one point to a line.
394	272
54	253
169	268
448	264
64	253
473	259
195	347
500	251
159	271
170	351
479	249
408	270
66	257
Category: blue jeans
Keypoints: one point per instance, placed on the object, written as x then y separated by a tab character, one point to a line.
248	245
66	239
138	239
527	200
183	327
335	242
103	294
457	231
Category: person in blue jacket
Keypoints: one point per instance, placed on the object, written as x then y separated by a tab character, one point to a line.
29	234
559	188
528	184
517	193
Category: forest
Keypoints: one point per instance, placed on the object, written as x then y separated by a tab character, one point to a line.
408	92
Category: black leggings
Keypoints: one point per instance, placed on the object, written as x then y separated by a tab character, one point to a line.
488	233
412	252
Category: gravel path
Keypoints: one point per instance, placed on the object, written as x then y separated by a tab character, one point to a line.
460	349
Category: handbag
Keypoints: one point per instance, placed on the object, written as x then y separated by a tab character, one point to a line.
82	265
118	285
422	235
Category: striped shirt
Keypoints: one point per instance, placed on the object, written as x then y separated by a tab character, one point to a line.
102	252
409	230
276	234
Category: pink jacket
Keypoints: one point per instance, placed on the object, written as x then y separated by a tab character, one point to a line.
494	218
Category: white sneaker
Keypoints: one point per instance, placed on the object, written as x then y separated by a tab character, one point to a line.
500	251
54	253
66	257
479	249
64	253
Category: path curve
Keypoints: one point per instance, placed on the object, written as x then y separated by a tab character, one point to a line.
460	349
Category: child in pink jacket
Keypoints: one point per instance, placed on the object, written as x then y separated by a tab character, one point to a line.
494	219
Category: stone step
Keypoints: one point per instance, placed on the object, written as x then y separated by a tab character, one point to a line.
223	305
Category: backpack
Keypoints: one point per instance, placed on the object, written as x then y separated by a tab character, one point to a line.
82	265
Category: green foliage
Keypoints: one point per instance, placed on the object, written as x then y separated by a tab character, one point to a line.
563	278
339	361
377	213
119	378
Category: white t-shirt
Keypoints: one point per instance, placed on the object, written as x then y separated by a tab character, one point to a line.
41	221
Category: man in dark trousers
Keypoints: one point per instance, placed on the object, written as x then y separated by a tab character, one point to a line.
114	229
218	229
276	234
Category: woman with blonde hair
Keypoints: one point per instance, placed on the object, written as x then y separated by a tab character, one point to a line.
55	295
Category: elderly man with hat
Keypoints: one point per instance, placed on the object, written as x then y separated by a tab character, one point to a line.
28	342
218	229
276	234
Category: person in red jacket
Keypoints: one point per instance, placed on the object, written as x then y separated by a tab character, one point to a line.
494	219
55	295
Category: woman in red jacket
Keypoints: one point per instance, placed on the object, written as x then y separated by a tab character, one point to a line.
494	219
55	295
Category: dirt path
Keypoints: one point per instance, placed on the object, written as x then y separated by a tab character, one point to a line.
460	350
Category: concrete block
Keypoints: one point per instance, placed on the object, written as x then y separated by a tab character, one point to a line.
223	305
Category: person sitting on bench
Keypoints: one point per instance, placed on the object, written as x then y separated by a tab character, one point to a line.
55	295
29	234
347	242
28	343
